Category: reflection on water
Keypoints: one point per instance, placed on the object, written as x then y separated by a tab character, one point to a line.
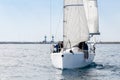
96	72
86	73
32	62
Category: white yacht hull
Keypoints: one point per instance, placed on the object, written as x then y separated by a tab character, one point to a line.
67	60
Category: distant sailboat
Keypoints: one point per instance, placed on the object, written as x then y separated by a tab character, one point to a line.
80	22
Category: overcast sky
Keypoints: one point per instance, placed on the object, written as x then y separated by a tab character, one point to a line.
29	20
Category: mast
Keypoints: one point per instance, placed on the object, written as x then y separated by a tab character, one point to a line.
63	23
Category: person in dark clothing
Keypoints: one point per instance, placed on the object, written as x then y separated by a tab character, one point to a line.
94	48
59	46
56	47
80	45
84	47
85	50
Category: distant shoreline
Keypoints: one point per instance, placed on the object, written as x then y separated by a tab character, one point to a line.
51	43
22	43
108	43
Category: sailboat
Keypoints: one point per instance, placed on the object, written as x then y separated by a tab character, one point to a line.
80	23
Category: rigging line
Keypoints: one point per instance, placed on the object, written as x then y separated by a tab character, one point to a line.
58	28
50	24
63	9
50	18
70	43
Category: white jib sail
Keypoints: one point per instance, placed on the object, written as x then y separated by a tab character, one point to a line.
75	23
91	9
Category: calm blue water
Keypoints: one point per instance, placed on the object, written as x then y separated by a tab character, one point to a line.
32	62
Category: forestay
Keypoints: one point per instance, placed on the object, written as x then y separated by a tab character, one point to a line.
75	23
91	9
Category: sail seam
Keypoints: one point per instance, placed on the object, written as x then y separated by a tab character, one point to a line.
74	5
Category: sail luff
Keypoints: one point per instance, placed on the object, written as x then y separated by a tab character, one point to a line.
75	23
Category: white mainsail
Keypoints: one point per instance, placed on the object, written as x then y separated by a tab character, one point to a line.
91	9
75	23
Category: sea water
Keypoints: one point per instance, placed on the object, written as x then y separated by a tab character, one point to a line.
32	62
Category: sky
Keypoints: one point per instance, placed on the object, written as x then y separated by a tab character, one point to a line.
31	20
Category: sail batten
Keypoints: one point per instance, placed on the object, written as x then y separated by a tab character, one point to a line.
75	23
74	5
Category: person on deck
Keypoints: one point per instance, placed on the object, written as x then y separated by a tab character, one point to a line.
84	47
60	46
56	47
86	51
